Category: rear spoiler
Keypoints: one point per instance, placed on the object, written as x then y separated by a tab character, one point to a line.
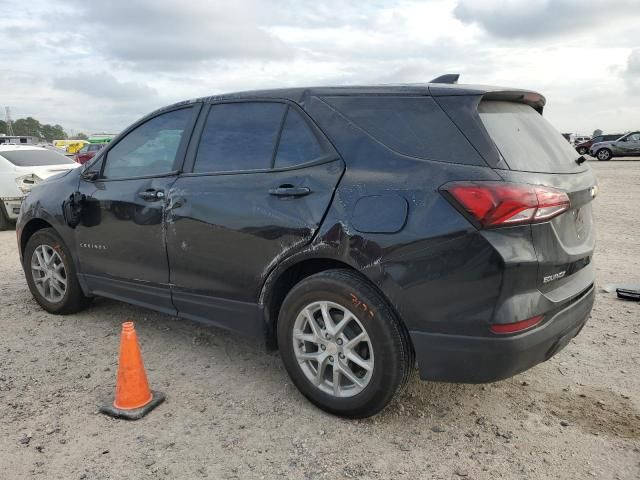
533	99
483	92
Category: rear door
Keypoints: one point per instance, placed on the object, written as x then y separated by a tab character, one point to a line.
260	180
535	153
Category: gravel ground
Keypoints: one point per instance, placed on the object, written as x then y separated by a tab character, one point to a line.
233	413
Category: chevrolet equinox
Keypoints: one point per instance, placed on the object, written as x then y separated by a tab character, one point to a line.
359	230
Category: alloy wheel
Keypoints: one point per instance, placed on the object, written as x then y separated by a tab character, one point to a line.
333	349
48	273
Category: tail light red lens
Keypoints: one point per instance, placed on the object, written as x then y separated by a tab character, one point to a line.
497	204
504	328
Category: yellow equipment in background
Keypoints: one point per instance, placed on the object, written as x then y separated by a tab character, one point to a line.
70	146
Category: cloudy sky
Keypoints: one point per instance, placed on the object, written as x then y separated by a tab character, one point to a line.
98	66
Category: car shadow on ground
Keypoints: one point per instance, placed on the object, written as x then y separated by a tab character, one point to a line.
211	345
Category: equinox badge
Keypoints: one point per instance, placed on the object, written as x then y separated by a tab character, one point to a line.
555	276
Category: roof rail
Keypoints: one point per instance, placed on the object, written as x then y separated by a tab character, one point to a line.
447	78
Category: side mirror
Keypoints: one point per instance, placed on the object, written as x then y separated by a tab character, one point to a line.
90	175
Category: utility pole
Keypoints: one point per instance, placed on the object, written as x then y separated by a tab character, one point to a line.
8	121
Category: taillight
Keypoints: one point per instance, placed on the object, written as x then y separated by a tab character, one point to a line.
504	328
498	204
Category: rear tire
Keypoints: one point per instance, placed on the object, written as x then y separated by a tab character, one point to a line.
340	322
604	155
51	274
582	150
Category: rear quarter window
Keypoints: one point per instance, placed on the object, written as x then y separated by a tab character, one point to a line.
409	125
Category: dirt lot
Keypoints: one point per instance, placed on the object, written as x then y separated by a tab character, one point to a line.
233	413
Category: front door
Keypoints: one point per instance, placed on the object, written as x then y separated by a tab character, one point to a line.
261	182
121	237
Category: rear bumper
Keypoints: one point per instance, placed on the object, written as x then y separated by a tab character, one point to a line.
465	359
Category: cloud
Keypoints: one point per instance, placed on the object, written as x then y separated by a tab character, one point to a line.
542	18
104	85
165	35
631	74
94	69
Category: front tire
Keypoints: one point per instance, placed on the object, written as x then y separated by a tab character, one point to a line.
342	345
51	274
582	150
604	155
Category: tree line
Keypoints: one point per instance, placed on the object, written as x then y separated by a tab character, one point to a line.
33	128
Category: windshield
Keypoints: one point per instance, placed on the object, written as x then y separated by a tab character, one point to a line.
35	158
526	140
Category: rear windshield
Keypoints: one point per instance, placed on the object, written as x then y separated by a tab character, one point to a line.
526	140
35	158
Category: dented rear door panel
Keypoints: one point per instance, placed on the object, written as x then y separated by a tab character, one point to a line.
226	232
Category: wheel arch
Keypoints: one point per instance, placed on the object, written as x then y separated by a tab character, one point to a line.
31	227
282	280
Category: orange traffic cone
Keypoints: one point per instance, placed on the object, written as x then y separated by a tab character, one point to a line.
133	398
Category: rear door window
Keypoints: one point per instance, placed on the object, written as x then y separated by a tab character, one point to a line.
298	143
239	136
526	140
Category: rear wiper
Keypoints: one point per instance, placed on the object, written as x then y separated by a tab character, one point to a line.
580	160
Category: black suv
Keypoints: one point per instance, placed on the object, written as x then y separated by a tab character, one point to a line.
357	229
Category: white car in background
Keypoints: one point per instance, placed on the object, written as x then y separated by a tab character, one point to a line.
21	167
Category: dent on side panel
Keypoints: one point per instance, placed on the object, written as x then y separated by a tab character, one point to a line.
226	233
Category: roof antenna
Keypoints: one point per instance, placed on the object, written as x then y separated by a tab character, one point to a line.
448	78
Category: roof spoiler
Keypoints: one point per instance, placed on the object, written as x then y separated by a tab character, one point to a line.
447	78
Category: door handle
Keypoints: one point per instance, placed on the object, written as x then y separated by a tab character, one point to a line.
289	191
151	195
